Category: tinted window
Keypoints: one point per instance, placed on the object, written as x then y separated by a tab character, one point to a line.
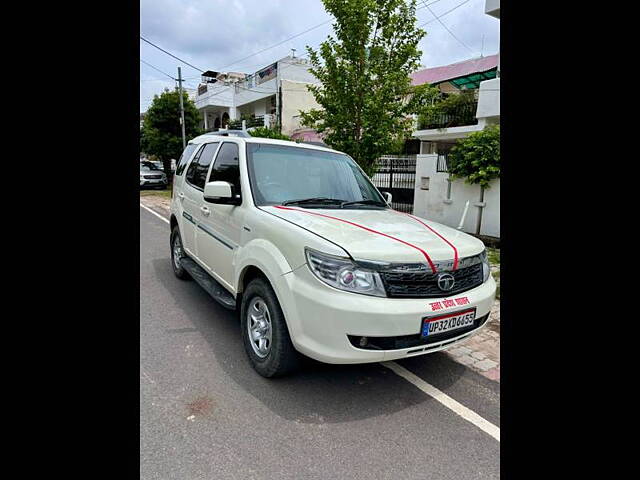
192	166
184	158
227	166
198	174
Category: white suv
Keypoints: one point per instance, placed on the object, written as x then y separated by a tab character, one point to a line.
298	239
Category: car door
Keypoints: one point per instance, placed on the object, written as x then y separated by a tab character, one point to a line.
192	199
220	230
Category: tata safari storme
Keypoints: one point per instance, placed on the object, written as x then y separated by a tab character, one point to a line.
299	241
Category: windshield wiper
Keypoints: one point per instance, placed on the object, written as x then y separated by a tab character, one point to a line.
319	200
364	202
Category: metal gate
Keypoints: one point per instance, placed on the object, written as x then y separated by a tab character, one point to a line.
397	175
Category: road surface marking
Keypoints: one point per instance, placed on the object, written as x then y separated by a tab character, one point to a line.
427	388
445	400
155	213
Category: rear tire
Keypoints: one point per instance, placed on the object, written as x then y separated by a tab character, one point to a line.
264	331
177	252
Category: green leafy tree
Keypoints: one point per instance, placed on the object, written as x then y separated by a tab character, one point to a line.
364	86
477	157
161	133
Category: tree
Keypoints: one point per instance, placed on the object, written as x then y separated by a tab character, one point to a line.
161	133
364	86
477	157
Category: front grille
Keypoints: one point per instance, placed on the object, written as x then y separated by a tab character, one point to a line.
154	177
416	340
423	284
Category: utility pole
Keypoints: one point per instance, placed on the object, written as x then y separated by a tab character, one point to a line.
184	142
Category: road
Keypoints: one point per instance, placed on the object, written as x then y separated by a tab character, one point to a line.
205	413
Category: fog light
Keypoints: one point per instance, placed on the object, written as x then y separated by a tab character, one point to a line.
364	341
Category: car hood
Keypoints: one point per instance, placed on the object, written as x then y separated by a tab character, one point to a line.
384	235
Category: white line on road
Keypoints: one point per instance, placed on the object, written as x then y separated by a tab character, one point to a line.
427	388
445	400
155	213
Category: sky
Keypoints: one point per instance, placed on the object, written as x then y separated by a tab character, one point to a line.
218	35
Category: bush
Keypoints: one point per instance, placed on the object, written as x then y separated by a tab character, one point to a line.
477	157
265	132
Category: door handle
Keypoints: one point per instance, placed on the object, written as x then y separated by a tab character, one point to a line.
205	211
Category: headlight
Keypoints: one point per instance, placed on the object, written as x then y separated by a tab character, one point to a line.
486	268
342	273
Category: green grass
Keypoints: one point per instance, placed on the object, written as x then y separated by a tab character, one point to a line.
494	256
156	193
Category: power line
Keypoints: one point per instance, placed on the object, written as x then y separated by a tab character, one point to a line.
442	15
157	69
447	29
277	44
170	54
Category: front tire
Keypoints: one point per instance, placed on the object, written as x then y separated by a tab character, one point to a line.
177	253
264	331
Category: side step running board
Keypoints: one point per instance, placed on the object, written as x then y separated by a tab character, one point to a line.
209	283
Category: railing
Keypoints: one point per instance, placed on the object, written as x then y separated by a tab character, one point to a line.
458	117
443	163
255	121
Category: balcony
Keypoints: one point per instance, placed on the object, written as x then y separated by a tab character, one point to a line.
459	116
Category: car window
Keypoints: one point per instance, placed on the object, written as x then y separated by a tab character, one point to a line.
147	166
197	171
283	173
227	166
184	158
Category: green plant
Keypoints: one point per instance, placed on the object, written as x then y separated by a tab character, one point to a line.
364	85
477	157
265	132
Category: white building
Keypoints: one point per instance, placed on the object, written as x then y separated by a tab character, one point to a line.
274	95
437	197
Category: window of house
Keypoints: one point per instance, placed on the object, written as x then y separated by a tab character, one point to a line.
227	166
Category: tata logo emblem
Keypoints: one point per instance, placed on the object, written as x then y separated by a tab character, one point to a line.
446	281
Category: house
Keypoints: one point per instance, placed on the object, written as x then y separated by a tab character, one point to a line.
271	96
436	196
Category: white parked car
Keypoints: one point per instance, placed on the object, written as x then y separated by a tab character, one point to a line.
300	242
152	176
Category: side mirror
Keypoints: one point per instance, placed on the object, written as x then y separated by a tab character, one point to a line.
220	192
387	196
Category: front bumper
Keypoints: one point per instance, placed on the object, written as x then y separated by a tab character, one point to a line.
321	319
148	182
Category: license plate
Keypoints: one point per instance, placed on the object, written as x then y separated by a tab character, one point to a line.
447	322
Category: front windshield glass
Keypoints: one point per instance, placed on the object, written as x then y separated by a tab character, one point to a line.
280	174
148	166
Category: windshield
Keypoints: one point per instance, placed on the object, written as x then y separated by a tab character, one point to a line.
148	166
281	174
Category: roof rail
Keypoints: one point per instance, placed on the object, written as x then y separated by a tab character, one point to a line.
233	133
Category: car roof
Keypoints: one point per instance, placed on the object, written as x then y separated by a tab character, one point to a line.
269	141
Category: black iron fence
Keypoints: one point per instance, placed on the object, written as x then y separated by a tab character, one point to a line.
397	175
459	116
